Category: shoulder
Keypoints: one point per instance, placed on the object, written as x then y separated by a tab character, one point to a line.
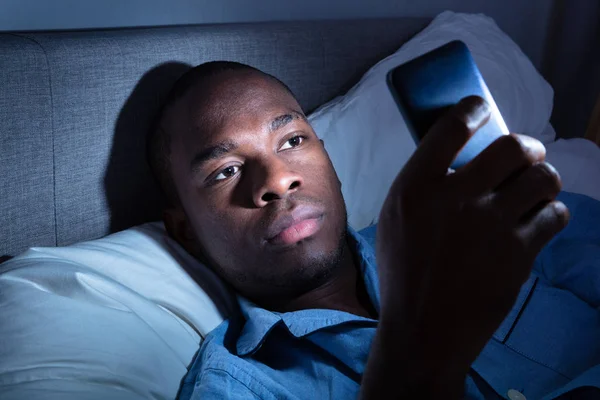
218	373
369	234
222	380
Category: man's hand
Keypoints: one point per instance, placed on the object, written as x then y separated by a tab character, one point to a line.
453	250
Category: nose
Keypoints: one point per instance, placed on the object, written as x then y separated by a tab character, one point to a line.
274	181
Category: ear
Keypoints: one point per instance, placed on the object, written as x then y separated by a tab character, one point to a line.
179	229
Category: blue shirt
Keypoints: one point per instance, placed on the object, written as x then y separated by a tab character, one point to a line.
547	347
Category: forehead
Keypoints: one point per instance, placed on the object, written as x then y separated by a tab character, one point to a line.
231	102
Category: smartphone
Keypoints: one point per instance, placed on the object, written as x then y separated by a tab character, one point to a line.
427	86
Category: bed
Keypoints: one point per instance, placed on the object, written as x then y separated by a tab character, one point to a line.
92	316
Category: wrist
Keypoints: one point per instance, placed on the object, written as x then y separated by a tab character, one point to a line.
428	368
428	383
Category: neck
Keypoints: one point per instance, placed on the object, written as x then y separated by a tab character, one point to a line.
345	291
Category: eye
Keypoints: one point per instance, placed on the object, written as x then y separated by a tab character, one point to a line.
227	172
292	142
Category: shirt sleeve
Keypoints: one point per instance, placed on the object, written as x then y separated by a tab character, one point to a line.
571	260
218	384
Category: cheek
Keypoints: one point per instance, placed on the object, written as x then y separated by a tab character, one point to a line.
322	171
317	162
212	221
216	227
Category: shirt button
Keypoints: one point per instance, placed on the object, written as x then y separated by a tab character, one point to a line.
516	395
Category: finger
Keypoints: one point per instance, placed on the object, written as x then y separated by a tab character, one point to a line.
537	184
543	225
499	161
449	134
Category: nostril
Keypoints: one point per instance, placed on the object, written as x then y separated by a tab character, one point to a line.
267	197
272	195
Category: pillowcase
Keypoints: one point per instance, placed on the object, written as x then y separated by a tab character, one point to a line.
113	318
366	137
578	163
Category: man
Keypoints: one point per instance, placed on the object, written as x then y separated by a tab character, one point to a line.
254	195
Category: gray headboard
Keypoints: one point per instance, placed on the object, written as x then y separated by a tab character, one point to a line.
75	107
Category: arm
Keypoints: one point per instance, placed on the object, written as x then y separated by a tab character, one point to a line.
453	251
409	372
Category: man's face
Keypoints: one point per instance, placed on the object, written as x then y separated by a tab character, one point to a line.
258	192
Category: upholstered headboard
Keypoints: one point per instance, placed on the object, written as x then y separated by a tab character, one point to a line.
75	107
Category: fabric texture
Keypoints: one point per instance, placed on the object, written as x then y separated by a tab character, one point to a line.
86	99
26	147
114	318
367	138
547	347
578	163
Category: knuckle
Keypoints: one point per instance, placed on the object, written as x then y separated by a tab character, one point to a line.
489	211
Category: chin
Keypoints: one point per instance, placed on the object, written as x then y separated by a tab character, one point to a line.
316	255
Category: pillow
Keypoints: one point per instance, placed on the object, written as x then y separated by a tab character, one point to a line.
365	135
578	163
114	318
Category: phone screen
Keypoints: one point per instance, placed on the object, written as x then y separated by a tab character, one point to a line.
425	87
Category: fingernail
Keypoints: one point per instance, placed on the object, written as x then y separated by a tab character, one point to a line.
533	146
552	169
561	209
477	111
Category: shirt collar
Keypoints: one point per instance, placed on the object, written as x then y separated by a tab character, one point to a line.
260	322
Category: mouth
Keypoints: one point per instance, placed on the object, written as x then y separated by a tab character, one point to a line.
302	223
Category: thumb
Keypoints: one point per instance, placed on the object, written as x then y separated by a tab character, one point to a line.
449	134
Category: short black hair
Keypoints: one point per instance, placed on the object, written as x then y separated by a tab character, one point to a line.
158	141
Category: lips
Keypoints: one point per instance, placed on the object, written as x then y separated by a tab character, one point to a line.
302	223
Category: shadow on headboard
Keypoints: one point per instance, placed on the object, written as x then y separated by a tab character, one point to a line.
4	258
131	192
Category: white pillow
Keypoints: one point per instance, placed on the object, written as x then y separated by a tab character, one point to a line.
367	138
114	318
578	163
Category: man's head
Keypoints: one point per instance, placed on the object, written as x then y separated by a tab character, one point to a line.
252	190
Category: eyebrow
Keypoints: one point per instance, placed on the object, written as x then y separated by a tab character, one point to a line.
282	120
211	153
221	149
